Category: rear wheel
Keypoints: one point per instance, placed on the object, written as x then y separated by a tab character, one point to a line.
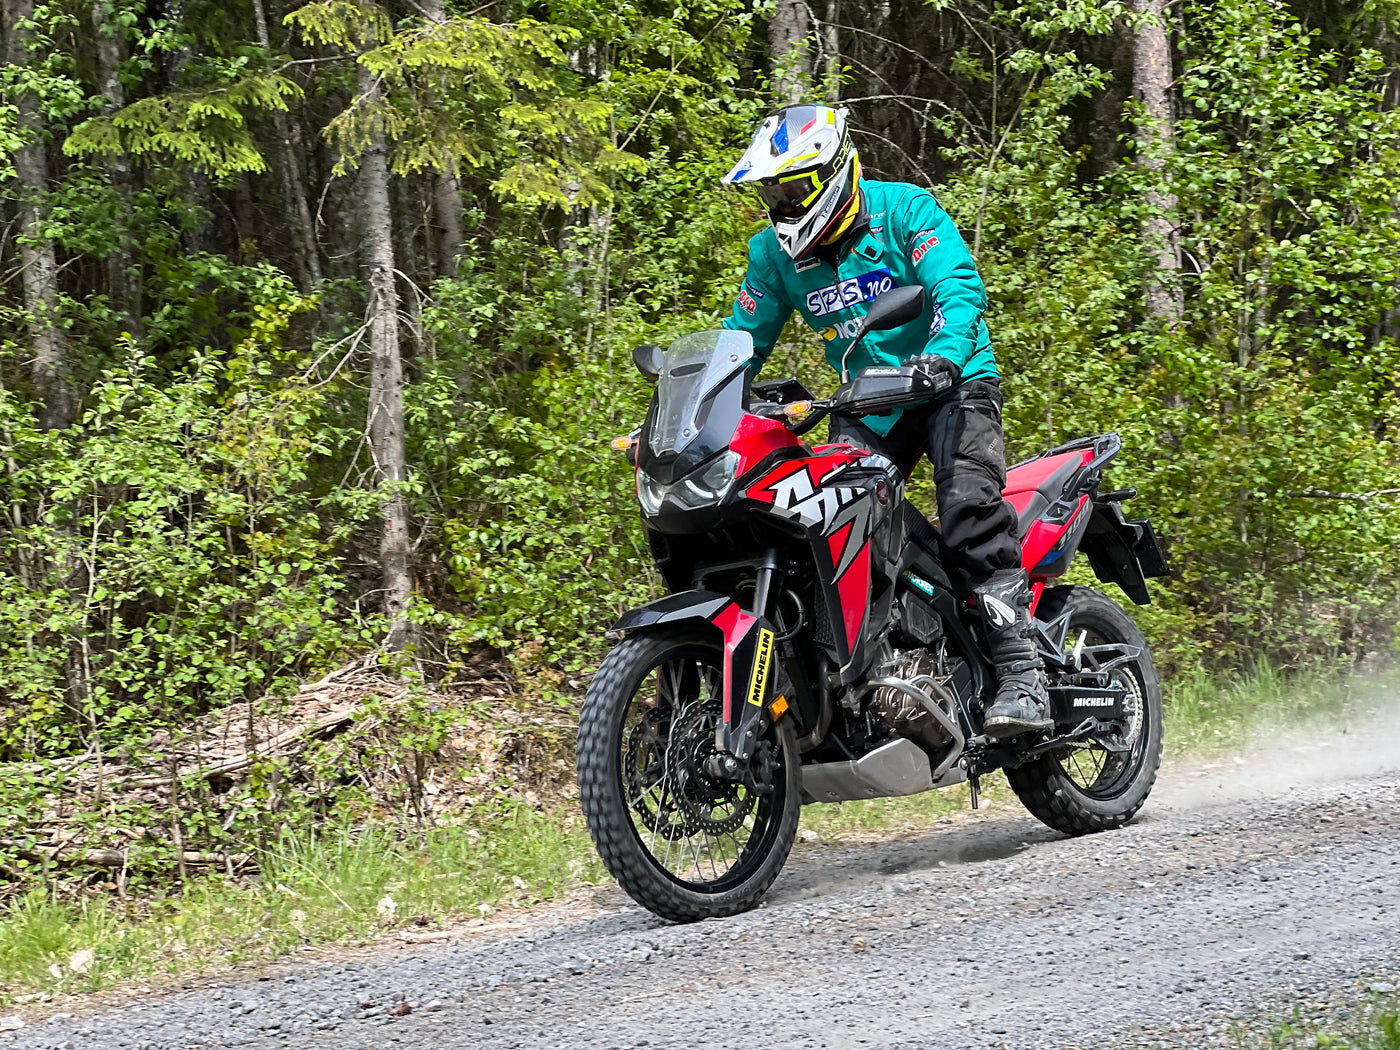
1083	788
682	844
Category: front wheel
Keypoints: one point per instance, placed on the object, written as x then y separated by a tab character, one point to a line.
682	844
1083	788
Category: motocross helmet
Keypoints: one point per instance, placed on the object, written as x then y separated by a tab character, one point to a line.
805	167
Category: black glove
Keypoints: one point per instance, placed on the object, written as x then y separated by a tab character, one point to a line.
944	373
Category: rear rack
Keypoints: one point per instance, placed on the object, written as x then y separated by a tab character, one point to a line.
1105	447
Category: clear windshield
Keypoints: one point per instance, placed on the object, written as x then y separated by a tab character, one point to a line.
696	366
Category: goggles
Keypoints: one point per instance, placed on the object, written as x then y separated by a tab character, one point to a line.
791	195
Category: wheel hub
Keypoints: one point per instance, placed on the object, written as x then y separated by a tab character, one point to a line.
712	805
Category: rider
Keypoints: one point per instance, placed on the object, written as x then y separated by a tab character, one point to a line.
834	243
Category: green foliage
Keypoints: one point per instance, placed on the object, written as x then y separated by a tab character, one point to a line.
207	531
173	544
1257	431
206	128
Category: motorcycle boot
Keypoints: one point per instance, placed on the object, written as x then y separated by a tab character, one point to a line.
1022	703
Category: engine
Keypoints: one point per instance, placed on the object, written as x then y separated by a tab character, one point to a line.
900	710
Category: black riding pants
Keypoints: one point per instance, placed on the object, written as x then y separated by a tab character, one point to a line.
961	433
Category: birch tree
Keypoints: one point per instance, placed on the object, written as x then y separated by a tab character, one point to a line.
385	423
790	48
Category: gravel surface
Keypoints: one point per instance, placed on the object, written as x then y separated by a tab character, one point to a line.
1243	887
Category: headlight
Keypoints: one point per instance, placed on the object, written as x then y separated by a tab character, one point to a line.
708	485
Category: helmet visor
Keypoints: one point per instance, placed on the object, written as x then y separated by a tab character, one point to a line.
790	195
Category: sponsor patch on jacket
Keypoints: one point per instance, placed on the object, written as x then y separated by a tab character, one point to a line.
923	249
747	303
841	330
835	298
806	263
938	320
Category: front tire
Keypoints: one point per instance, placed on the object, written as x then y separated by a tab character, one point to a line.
681	845
1082	789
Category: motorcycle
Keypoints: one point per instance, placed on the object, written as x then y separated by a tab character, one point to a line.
813	648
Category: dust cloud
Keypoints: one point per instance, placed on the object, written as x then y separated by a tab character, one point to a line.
1362	742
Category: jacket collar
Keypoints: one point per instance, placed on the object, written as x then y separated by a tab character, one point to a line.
858	238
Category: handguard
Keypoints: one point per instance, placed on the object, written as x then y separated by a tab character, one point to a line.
881	389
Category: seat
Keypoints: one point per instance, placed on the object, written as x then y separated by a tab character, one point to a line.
1035	484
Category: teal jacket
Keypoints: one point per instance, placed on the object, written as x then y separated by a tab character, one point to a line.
909	240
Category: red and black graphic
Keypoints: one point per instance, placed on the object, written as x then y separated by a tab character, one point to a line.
810	492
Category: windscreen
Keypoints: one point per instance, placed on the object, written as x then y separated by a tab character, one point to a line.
696	367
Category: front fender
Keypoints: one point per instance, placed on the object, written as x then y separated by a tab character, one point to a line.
670	608
749	655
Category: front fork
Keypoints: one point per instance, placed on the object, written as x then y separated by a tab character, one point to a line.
751	673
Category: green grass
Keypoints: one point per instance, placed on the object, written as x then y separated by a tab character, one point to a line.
1211	714
328	887
344	886
1372	1024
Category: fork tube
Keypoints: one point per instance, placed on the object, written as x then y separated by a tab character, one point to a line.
762	586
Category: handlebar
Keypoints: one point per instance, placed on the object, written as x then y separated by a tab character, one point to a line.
875	391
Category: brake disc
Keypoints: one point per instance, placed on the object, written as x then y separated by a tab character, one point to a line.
1132	704
712	807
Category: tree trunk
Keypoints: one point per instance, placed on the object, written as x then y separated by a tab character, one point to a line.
306	255
447	191
831	52
123	268
447	208
38	260
789	46
1152	80
386	422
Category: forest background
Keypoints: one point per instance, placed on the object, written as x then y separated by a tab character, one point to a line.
317	319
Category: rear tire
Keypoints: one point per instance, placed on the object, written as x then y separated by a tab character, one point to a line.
1053	787
682	846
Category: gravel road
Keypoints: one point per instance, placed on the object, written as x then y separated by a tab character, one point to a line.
1243	885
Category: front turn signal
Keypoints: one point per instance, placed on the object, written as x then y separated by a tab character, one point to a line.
797	409
622	444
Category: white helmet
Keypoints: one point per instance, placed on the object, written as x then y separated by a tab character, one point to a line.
805	167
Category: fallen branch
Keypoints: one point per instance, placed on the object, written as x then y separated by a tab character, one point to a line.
238	763
117	858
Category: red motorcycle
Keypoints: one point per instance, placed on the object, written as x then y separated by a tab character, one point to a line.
812	647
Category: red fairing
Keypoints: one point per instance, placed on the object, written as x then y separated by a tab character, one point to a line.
1030	476
854	588
804	490
823	461
736	624
758	437
1042	535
